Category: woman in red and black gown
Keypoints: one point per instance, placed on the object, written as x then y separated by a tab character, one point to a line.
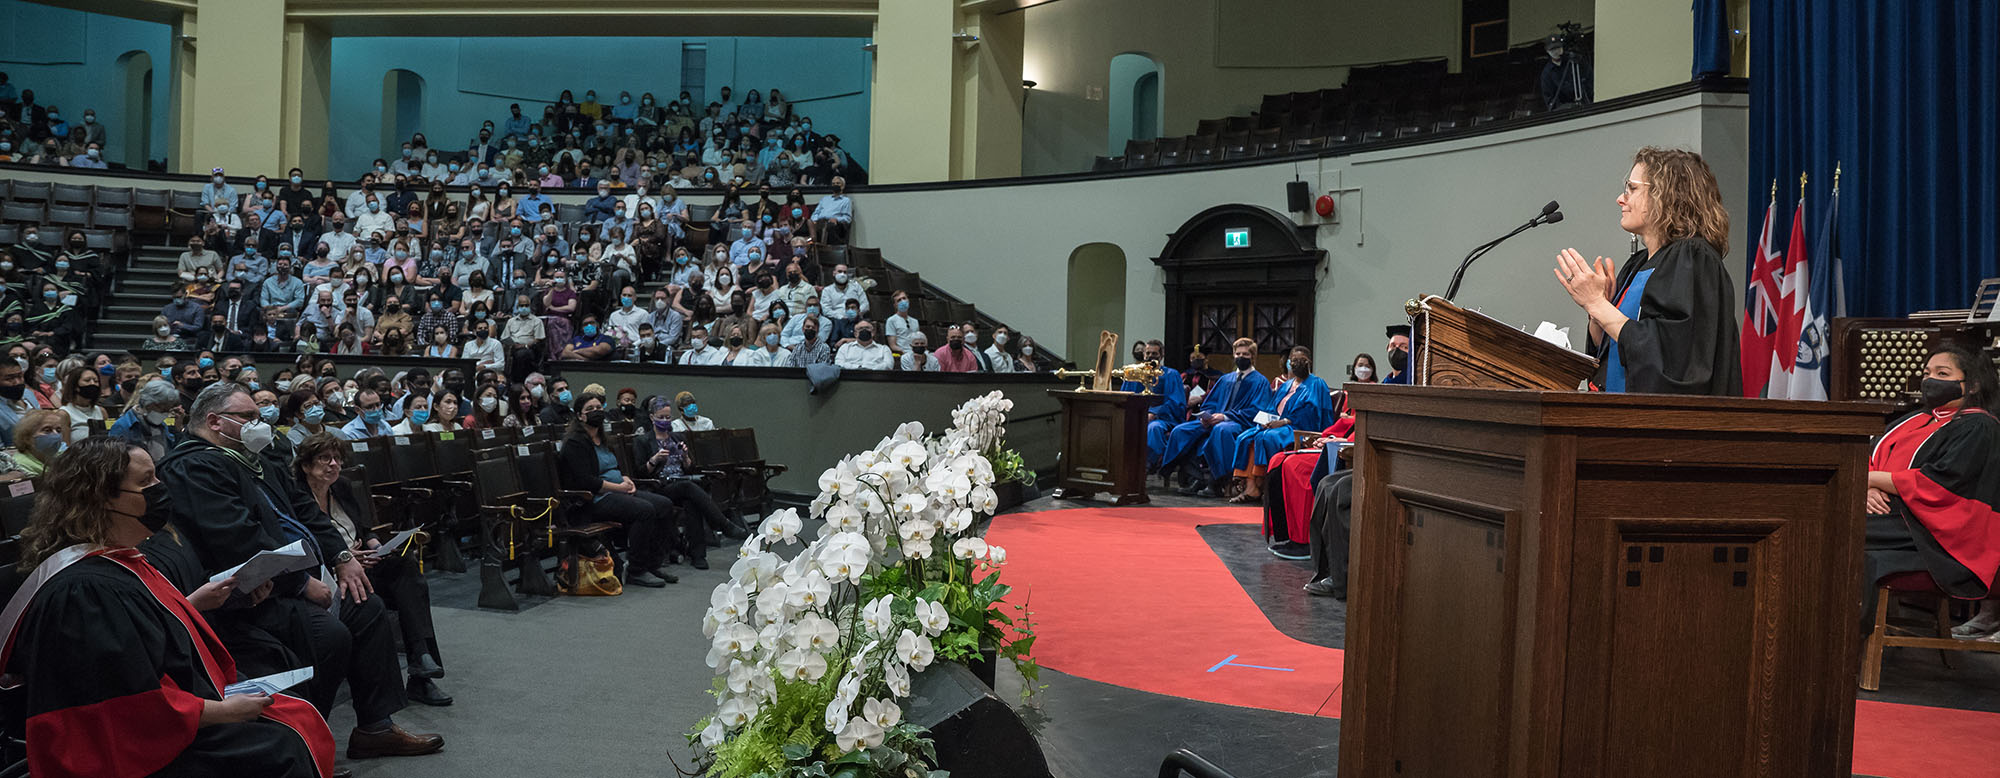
117	674
1934	482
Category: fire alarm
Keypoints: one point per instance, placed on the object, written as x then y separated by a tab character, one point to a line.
1324	206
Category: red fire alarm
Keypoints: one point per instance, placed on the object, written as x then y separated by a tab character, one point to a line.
1324	205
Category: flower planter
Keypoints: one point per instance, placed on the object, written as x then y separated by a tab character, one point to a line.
1014	493
986	666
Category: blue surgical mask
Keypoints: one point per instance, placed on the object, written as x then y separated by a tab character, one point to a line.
48	375
692	410
812	310
902	306
420	416
315	414
106	370
771	340
298	179
206	362
564	397
62	264
590	330
516	232
269	413
522	311
625	301
437	305
798	212
372	417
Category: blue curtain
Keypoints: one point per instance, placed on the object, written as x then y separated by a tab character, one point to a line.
1905	96
1711	38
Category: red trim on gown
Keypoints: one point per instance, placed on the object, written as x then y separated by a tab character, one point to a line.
1967	529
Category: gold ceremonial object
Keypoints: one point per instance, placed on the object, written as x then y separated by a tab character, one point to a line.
1146	373
1083	377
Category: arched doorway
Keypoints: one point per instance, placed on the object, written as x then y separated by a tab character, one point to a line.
402	109
1240	271
1133	97
1096	297
134	148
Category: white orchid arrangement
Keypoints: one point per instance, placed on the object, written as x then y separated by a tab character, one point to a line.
815	653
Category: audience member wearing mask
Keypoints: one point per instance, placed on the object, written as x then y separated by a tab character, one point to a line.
589	465
865	352
918	358
231	504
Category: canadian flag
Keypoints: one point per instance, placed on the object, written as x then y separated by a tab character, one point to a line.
1795	309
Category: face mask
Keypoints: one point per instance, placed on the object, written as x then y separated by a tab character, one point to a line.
564	397
49	444
902	306
522	311
840	278
418	417
1937	392
372	417
48	375
315	415
254	436
284	386
1243	363
770	340
865	336
437	305
298	179
269	413
691	411
487	404
89	392
1364	372
590	330
537	391
1399	359
625	301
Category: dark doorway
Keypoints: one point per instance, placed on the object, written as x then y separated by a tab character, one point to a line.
1240	271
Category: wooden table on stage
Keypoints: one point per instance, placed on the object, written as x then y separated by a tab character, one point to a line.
1585	584
1104	445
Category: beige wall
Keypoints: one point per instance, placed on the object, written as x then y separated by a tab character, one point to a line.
1529	20
1653	42
1417	211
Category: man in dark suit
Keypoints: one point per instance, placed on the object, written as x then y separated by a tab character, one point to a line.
239	310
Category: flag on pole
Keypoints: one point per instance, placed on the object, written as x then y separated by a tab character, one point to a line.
1795	311
1760	305
1825	302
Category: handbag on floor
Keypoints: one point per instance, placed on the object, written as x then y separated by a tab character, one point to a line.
589	573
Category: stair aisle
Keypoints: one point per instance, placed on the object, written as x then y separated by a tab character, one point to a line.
137	296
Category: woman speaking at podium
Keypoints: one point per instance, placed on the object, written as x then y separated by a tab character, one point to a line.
1664	323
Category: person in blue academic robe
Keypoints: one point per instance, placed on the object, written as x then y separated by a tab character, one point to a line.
1169	411
1229	408
1305	403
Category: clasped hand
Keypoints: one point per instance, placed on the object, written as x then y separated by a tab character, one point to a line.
1587	283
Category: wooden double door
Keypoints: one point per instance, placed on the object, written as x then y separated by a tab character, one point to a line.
1274	322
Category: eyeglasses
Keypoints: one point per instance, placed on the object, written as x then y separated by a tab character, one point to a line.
244	416
1632	187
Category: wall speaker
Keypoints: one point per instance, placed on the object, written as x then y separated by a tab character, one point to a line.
977	735
1298	196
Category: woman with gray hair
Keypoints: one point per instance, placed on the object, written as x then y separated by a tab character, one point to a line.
154	405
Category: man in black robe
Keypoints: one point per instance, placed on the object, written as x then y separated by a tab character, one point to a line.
229	504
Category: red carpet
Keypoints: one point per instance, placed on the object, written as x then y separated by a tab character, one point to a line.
1134	597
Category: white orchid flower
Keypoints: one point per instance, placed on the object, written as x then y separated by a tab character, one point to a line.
741	675
843	517
736	712
910	454
800	664
867	460
898	678
836	714
996	555
916	532
910	430
871	503
782	526
733	639
933	616
729	601
876	616
918	550
968	548
811	591
957	521
915	650
712	735
860	659
859	733
910	505
954	487
881	713
774	600
846	556
815	632
984	499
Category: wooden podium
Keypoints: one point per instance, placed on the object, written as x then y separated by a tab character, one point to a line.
1104	445
1552	583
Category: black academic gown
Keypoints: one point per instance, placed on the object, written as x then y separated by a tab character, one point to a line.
1942	519
114	683
1684	340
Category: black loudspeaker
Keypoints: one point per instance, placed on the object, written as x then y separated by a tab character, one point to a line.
1298	196
977	735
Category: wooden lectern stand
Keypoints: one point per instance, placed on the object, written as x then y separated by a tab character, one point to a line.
1104	445
1578	584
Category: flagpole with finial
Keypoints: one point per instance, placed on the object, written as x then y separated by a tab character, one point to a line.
1774	190
1836	178
1802	186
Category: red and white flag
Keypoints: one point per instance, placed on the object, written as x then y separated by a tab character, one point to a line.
1795	309
1761	313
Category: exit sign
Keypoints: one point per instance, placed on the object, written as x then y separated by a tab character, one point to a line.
1236	238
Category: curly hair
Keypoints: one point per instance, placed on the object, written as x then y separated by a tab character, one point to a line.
70	505
1686	203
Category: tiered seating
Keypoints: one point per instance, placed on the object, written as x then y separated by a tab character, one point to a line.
125	224
1378	102
935	309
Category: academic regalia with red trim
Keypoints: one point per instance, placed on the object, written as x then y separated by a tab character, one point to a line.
115	667
1942	520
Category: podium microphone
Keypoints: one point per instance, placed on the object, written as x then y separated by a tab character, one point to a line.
1550	214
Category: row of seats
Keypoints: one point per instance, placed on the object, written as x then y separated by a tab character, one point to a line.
1377	103
500	487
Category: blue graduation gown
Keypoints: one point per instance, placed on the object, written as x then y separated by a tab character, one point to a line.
1309	408
1237	396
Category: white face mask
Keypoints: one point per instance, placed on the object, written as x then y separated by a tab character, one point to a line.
1000	339
487	404
1363	372
255	436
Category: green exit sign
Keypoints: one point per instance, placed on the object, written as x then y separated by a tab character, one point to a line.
1236	238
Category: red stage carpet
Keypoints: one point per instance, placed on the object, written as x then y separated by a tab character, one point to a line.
1134	597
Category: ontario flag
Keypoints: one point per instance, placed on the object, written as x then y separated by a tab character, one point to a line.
1762	316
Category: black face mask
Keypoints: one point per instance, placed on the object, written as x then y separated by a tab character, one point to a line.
735	340
159	507
1399	359
594	418
865	336
1937	392
15	392
1244	363
89	391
